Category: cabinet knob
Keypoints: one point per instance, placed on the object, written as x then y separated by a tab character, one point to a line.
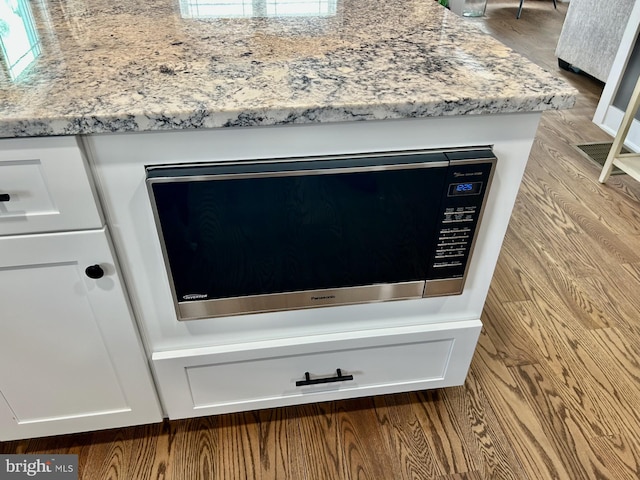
5	197
94	271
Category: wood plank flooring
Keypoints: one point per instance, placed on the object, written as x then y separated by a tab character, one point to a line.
554	385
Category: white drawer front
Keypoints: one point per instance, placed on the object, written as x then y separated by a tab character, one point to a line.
25	182
249	379
218	384
44	187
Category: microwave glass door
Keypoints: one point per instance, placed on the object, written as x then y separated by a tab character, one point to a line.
240	234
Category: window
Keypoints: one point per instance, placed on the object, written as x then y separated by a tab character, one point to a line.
19	43
256	8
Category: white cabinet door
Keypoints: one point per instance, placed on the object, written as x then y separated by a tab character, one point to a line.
70	357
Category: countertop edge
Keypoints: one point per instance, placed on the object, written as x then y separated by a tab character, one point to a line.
209	119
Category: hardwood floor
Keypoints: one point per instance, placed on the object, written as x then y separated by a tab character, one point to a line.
554	385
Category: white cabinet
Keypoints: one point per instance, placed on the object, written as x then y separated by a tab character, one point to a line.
245	362
70	356
226	379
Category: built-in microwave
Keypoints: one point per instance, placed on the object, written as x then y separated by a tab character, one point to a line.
242	237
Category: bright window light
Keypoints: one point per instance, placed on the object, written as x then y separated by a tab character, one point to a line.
19	43
256	8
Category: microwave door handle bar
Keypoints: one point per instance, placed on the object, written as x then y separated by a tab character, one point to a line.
316	381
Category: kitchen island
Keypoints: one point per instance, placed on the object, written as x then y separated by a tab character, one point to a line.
122	86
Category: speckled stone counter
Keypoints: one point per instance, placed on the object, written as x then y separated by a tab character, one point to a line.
167	64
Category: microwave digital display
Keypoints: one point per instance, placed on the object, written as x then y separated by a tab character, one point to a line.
466	188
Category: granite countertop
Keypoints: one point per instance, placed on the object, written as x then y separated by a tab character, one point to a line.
175	64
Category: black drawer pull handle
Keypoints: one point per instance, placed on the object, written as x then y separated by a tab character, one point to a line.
316	381
5	197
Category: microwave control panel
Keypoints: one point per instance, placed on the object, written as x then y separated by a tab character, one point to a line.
468	181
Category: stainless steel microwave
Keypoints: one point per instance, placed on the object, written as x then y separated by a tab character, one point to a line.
243	237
